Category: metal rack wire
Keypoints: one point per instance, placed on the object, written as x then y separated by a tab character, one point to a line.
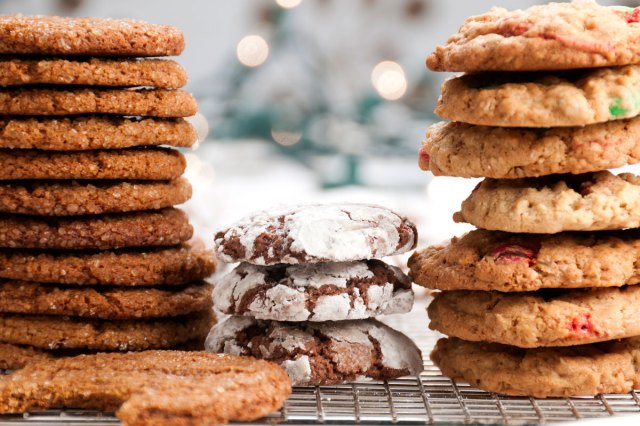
426	399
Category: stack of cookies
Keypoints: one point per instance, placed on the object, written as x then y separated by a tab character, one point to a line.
93	255
542	300
308	288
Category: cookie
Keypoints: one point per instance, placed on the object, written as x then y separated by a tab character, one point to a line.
71	101
115	303
550	204
316	292
140	229
464	150
607	367
544	318
163	388
321	353
54	35
13	357
16	71
546	37
130	268
568	98
132	163
492	260
316	233
81	198
59	332
93	132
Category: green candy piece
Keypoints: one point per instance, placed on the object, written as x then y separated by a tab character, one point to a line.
622	8
616	108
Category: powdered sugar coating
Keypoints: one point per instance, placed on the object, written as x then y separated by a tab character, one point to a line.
314	292
350	350
316	233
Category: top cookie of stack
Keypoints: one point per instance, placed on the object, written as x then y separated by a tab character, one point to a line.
551	99
93	254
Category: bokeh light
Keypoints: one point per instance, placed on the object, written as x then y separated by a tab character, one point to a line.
286	138
288	4
389	80
252	51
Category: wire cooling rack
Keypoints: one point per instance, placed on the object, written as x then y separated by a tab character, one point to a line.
426	399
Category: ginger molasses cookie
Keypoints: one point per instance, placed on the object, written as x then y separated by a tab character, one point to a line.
13	357
607	367
160	73
550	317
54	35
132	163
59	332
117	303
493	260
93	132
126	267
550	204
75	198
321	353
465	150
315	292
165	388
139	229
316	233
545	37
568	98
71	101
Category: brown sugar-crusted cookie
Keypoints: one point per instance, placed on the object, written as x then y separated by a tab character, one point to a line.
59	332
316	233
163	388
70	101
321	353
568	98
544	318
550	204
117	303
93	132
546	37
147	267
607	367
493	260
82	198
92	72
13	357
316	292
54	35
459	149
133	163
140	229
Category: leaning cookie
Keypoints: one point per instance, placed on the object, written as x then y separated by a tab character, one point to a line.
546	37
316	292
321	353
531	320
570	98
161	388
493	260
465	150
607	367
316	233
550	204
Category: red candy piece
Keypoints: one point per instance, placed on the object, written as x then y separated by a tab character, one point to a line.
510	253
582	325
424	160
631	17
510	28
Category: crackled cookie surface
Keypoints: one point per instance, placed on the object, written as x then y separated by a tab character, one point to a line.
316	233
544	37
568	98
494	260
607	367
316	292
321	353
465	150
152	387
544	318
588	202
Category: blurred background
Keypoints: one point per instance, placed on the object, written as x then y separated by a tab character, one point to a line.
307	100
